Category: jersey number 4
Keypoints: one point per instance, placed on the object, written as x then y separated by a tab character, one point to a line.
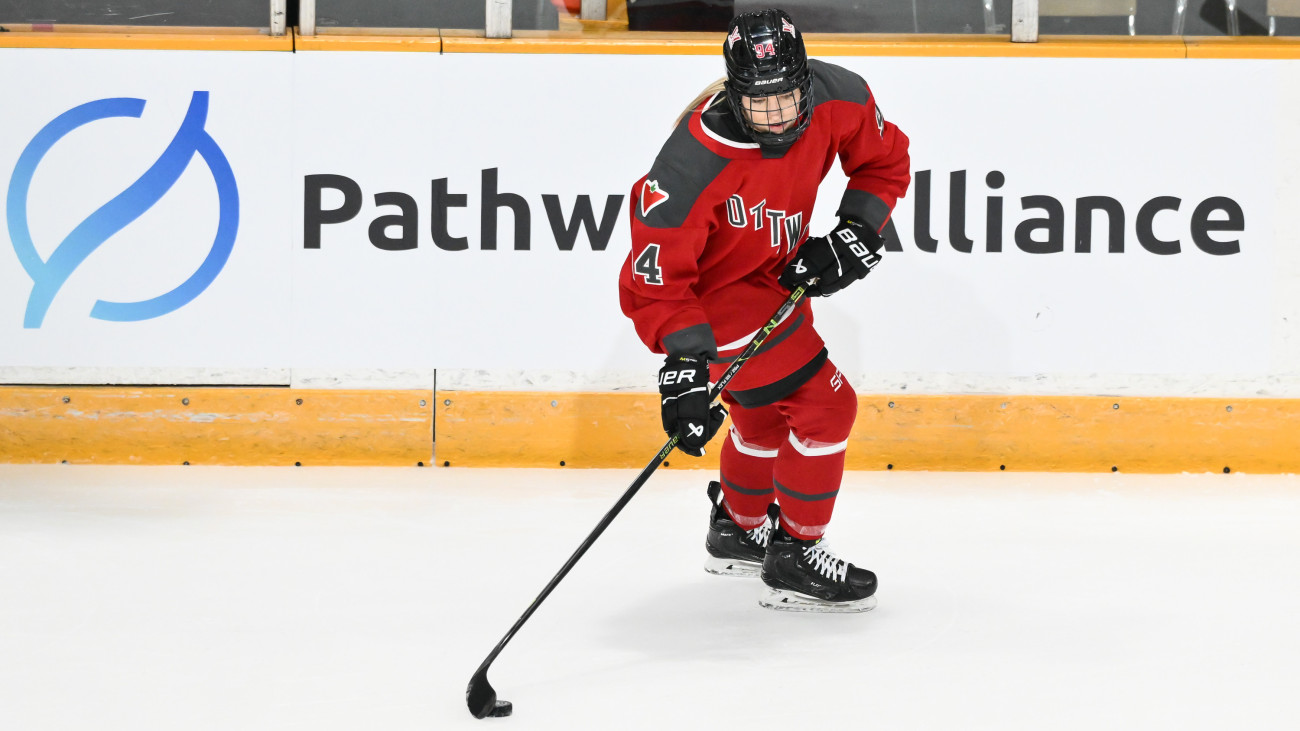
647	265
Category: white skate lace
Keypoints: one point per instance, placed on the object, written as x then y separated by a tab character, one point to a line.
826	562
761	534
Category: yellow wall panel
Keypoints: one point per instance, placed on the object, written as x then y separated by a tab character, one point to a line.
268	426
1076	434
358	39
213	425
154	39
601	40
819	44
1272	47
538	429
1019	433
976	46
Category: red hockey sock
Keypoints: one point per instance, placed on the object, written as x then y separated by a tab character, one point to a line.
806	484
748	455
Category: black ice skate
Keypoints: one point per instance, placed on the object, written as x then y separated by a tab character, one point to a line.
733	551
803	576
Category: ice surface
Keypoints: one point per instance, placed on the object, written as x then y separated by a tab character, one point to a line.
361	598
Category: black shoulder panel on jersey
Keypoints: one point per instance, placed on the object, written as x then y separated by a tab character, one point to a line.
836	83
683	169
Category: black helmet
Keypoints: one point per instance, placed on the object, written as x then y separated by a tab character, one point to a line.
765	58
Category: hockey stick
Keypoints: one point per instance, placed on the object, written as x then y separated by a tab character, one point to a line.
480	695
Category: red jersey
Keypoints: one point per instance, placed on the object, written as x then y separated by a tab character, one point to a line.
716	220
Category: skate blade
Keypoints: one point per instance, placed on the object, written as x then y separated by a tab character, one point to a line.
788	601
731	567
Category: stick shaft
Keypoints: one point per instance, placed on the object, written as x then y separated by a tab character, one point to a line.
641	479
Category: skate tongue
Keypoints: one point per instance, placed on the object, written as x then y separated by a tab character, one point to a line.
715	493
825	562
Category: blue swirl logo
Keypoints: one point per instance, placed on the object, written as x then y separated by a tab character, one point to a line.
49	275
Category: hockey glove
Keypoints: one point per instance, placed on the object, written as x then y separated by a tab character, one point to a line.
834	261
684	404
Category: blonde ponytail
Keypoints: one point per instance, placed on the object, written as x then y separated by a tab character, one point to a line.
709	91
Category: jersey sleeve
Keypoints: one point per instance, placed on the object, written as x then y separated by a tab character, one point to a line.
672	219
657	283
875	158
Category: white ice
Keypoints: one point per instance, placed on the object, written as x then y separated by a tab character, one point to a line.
337	598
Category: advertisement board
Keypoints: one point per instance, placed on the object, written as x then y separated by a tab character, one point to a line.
144	221
1175	244
1078	221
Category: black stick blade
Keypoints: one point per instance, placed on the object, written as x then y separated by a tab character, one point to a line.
482	698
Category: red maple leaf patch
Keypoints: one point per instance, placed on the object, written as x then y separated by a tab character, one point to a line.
651	196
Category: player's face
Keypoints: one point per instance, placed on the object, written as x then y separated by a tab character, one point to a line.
772	114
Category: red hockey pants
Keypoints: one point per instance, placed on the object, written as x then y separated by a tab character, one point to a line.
790	452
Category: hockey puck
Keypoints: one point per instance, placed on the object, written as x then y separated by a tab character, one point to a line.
502	709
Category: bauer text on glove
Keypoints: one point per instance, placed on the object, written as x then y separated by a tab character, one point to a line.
848	253
684	402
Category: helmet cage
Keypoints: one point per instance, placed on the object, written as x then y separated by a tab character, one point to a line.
780	105
766	66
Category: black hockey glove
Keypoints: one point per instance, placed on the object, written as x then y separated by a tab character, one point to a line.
845	255
684	405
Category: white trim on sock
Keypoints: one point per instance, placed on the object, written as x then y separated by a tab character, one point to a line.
812	531
811	448
744	521
753	450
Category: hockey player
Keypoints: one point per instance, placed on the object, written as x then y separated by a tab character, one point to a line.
719	239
